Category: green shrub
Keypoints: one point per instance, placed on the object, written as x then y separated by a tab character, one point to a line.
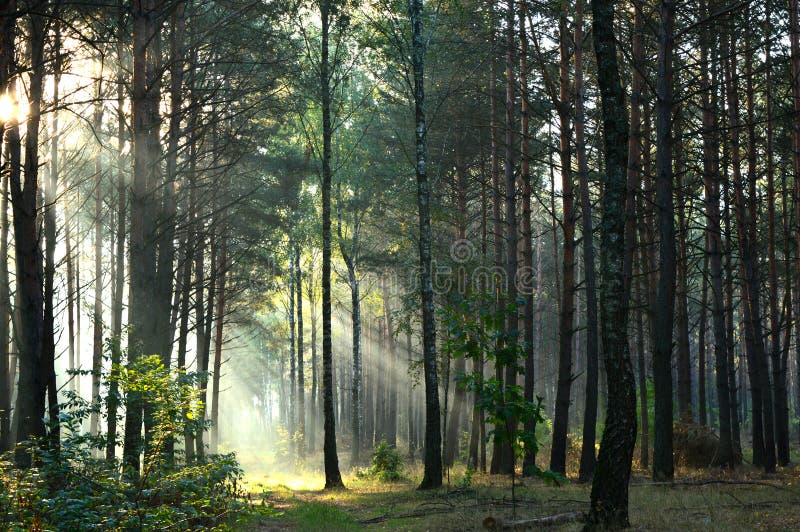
387	463
71	488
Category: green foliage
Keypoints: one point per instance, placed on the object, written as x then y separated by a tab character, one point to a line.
387	464
72	488
315	516
466	480
475	329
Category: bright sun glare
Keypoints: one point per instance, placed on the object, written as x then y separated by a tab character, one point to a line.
7	108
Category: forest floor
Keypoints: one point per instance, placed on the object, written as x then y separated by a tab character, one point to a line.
708	499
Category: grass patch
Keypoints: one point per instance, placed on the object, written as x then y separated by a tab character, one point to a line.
313	515
690	505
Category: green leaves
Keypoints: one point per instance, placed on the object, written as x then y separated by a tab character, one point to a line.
475	328
72	489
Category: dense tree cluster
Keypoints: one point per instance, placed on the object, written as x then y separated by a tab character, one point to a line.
292	200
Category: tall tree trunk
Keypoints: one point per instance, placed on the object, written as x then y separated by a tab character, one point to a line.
529	460
7	24
634	177
97	318
204	351
702	362
663	467
411	407
32	385
6	384
780	396
433	435
119	258
301	376
333	478
609	499
312	433
218	338
460	363
733	387
507	462
50	205
566	320
757	392
588	459
644	407
142	295
714	250
291	426
350	257
794	37
497	225
683	361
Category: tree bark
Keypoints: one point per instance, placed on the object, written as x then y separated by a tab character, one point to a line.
794	38
588	458
432	477
119	258
142	295
663	467
333	478
32	385
97	318
780	395
566	321
609	498
218	339
301	377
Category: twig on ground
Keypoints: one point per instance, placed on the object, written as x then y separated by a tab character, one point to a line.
495	523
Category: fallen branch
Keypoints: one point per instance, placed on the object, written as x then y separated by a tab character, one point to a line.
418	513
494	523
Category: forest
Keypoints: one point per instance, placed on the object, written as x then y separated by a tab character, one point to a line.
399	264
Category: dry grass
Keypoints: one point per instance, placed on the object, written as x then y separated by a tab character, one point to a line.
700	500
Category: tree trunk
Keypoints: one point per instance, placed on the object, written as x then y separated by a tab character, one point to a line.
204	351
119	258
759	422
529	460
634	176
794	37
433	435
6	384
333	478
780	396
218	338
32	384
566	321
142	294
663	467
97	318
609	499
507	463
702	363
460	363
291	426
312	433
7	25
588	459
391	411
301	377
49	208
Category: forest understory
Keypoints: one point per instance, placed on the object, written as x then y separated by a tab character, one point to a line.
698	500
